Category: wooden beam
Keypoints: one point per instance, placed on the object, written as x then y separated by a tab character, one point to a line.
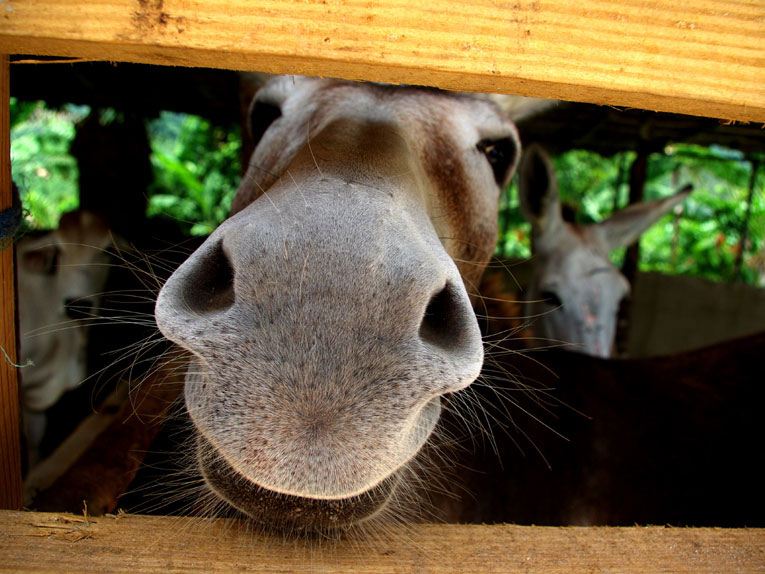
10	452
139	544
702	58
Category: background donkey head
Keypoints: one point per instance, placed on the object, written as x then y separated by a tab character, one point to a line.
575	289
61	275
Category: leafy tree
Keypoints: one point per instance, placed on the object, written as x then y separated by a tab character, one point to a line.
514	240
196	170
42	167
705	239
702	237
197	167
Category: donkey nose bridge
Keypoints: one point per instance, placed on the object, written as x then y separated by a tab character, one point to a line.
369	274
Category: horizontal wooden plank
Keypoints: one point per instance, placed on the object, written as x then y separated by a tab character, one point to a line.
38	542
696	57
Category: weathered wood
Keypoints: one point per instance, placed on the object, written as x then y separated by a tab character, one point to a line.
37	542
10	452
696	58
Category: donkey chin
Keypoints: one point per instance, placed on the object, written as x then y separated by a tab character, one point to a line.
322	463
287	512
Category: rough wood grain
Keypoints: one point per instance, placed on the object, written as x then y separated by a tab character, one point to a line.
36	542
10	453
703	57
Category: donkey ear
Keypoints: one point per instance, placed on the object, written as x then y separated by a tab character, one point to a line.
520	108
538	190
625	226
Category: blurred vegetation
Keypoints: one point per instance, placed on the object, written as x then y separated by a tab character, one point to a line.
197	167
701	238
42	167
196	170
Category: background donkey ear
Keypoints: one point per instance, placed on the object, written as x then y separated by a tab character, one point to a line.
538	190
625	226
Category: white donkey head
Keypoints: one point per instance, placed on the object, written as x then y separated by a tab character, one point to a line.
61	276
575	288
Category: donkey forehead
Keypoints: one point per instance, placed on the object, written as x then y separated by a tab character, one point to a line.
574	262
321	101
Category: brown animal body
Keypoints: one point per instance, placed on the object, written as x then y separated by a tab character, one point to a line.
560	438
582	440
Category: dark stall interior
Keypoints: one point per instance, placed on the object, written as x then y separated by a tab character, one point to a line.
115	174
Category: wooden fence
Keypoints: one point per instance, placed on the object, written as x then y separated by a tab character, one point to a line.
703	58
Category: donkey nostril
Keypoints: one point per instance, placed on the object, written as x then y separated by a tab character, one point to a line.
443	322
210	285
78	308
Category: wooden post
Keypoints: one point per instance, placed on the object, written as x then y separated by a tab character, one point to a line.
637	181
744	234
632	255
620	178
10	451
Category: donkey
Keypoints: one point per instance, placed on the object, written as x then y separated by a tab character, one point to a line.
61	275
574	289
329	315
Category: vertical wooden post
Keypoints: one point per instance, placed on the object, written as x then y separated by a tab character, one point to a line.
744	234
637	182
632	255
10	451
620	178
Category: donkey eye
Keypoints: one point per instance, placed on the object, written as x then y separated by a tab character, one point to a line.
501	156
43	260
550	298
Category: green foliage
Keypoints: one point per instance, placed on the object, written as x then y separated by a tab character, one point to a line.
514	240
588	183
701	238
197	167
707	235
196	170
42	167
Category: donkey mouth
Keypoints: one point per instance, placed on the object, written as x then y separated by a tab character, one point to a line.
283	512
